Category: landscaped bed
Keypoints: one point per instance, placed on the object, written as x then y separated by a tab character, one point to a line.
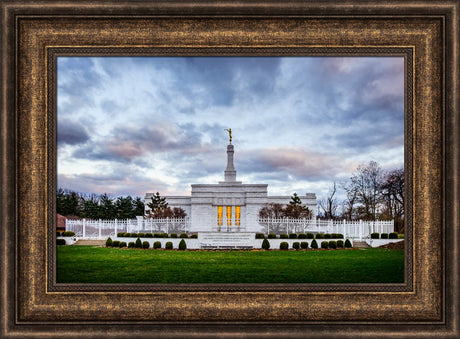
88	264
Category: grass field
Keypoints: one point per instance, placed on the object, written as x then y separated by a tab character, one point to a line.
88	264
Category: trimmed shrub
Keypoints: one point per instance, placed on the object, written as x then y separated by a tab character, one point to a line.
375	236
337	235
347	243
333	244
325	244
131	244
148	235
384	236
58	234
314	244
271	236
296	245
260	236
339	243
183	235
194	236
182	245
400	236
169	245
108	242
116	243
156	244
68	234
310	236
393	235
156	235
60	241
302	236
284	236
120	234
173	235
292	236
141	235
319	236
164	235
328	236
126	235
304	245
145	244
134	235
122	244
138	243
284	245
265	244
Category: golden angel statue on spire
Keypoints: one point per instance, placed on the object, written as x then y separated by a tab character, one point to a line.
229	133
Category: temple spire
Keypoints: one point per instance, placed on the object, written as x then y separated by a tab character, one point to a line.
230	172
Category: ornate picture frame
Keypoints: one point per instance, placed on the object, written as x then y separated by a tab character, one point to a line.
33	36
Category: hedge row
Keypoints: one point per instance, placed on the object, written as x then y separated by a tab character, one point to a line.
300	236
392	235
142	244
65	234
155	235
324	244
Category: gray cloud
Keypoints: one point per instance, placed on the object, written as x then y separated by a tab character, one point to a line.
71	133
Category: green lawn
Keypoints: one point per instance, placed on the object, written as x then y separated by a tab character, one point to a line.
88	264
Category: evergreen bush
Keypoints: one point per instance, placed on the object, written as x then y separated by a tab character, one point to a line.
265	244
310	236
284	236
122	244
156	244
182	245
296	245
60	241
260	236
319	236
302	236
284	245
148	235
169	245
68	234
156	235
292	236
138	243
333	244
314	244
375	236
271	236
108	242
339	243
384	236
131	244
120	234
194	236
325	244
58	234
328	236
145	244
141	235
304	245
173	235
116	243
347	243
337	236
393	235
183	235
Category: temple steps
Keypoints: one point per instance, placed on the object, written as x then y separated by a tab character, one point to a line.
88	242
360	244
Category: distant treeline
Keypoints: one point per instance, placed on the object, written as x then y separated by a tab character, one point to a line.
94	206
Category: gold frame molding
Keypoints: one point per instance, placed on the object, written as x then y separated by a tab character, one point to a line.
33	305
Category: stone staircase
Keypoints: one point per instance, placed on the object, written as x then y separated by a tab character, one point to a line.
360	244
89	242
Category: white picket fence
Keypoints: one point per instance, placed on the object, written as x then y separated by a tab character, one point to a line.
356	229
101	229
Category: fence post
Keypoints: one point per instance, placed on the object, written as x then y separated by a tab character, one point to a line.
116	226
343	228
361	229
167	225
84	227
100	227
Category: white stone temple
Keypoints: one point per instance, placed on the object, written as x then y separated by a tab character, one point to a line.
230	205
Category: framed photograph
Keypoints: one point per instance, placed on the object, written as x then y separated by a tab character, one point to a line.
39	42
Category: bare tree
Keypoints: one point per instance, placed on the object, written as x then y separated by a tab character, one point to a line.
329	204
393	197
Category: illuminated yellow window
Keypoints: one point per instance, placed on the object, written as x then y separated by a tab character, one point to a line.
229	215
237	215
220	212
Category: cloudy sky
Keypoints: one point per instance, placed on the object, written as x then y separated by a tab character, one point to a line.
140	124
